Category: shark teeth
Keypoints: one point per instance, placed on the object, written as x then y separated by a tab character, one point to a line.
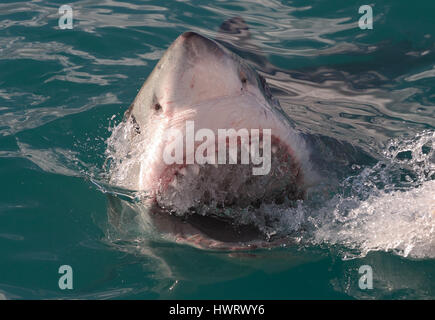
195	169
174	182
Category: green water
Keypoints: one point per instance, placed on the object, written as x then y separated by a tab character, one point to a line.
61	91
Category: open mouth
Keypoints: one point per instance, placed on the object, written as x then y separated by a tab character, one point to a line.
212	232
210	189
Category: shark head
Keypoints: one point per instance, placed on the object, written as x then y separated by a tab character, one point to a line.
199	99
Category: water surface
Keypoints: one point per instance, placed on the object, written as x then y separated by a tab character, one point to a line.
63	91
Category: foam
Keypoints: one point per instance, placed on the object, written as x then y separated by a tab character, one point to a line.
389	207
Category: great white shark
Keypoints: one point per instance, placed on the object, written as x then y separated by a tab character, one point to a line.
200	81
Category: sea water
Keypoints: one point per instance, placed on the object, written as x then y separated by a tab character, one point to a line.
67	76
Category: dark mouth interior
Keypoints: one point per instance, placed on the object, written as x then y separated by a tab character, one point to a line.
224	230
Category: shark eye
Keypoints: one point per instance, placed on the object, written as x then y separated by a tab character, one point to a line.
157	107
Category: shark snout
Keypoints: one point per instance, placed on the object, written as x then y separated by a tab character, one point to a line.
196	45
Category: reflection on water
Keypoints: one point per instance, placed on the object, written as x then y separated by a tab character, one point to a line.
63	92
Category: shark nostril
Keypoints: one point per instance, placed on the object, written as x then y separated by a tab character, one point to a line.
243	78
244	81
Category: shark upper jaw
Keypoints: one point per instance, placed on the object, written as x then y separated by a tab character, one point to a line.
198	188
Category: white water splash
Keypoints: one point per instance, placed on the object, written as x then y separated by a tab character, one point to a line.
400	221
391	207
